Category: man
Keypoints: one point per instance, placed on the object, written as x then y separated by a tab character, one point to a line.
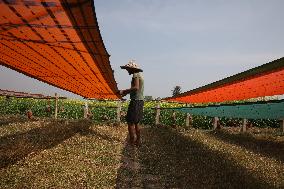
135	108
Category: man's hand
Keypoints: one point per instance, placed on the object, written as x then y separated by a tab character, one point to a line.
122	92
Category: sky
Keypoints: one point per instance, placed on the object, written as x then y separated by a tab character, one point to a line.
189	43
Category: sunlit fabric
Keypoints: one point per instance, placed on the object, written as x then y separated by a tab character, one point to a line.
263	110
57	42
265	80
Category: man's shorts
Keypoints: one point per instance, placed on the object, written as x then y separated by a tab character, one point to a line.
135	111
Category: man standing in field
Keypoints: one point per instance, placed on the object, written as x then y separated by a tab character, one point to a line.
135	108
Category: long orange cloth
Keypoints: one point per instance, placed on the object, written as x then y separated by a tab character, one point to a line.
265	80
57	42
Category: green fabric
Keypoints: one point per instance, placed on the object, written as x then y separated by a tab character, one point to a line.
139	94
270	110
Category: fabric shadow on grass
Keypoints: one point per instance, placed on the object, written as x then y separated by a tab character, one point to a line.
168	159
268	148
12	120
89	132
18	146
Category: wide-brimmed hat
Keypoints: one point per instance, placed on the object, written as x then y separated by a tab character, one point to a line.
132	65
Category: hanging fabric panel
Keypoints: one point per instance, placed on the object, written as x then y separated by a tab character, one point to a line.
57	42
265	80
263	110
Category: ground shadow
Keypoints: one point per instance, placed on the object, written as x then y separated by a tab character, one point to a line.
11	120
17	146
90	132
129	173
168	159
268	148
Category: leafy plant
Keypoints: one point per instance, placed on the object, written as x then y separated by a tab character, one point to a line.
106	111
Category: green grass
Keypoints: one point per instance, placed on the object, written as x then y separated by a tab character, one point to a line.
48	153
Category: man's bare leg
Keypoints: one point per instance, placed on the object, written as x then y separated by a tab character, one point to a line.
138	136
131	131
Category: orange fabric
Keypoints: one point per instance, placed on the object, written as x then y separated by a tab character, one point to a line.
268	84
40	39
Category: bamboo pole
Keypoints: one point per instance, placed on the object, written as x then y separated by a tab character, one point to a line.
86	110
56	106
188	120
244	125
118	111
174	117
215	123
158	112
282	125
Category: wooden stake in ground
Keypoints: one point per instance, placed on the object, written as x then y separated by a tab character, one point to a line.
30	114
215	122
118	112
56	106
158	112
174	117
282	125
86	110
188	120
244	125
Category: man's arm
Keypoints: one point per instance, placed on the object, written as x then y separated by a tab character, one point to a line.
135	87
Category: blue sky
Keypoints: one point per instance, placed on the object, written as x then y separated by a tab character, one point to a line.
188	43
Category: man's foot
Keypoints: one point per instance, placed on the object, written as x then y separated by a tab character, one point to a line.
138	143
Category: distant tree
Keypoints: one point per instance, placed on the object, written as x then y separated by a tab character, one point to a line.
148	98
176	91
158	98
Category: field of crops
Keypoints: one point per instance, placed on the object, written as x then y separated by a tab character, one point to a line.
106	112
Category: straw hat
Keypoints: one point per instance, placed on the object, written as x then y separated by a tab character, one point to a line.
131	65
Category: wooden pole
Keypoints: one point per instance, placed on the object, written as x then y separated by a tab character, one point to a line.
188	120
158	111
174	117
86	110
244	125
56	106
215	123
282	125
118	111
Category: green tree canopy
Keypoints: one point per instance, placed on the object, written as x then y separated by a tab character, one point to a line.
176	91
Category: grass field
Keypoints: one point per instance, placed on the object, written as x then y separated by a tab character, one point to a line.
48	153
